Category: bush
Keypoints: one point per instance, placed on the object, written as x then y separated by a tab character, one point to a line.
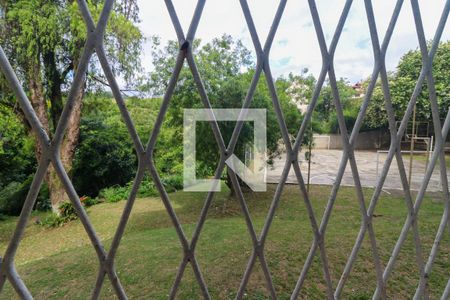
147	188
115	193
67	213
104	158
17	159
88	201
43	201
8	204
173	183
13	196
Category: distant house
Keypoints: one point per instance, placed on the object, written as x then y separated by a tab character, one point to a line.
359	90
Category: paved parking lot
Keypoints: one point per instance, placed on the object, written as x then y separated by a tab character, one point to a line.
325	164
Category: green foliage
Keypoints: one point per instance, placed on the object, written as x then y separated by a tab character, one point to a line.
350	116
43	201
105	156
376	116
295	90
402	84
44	41
7	196
147	188
226	69
325	106
115	193
88	201
171	183
38	26
35	27
12	197
16	149
67	213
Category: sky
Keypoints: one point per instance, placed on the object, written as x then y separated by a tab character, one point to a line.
295	45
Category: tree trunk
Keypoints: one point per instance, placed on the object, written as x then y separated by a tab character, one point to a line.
229	184
53	82
38	101
242	184
37	98
68	147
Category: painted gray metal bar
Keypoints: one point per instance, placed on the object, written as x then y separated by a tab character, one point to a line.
393	131
343	161
185	47
51	152
368	217
108	266
284	174
439	140
411	218
446	293
319	239
366	224
145	155
263	54
7	270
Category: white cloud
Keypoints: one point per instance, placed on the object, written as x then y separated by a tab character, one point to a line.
295	46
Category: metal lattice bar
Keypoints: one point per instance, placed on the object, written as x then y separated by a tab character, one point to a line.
393	130
439	139
319	239
366	224
51	154
412	217
106	259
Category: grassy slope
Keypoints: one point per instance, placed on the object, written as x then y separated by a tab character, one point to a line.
59	263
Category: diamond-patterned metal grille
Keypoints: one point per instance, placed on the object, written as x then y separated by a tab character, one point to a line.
145	155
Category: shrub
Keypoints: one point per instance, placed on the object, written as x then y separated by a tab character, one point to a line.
8	204
115	193
173	183
43	201
67	213
17	159
88	201
13	196
104	158
147	188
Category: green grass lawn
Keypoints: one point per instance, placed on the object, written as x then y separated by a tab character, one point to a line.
60	263
423	158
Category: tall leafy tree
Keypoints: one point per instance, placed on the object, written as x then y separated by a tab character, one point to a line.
325	107
403	82
44	40
226	68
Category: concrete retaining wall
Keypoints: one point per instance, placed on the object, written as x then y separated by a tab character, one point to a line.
368	140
